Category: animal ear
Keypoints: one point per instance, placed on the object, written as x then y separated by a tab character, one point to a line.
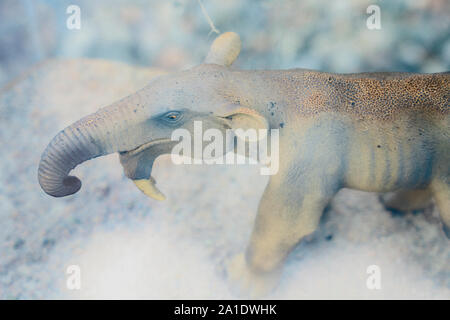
224	50
244	118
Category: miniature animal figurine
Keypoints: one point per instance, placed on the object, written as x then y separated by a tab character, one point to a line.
377	132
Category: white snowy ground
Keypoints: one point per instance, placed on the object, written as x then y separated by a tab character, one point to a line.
129	246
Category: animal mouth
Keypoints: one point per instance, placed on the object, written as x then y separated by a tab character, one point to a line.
138	163
145	146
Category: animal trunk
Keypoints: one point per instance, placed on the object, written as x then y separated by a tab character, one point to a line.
101	133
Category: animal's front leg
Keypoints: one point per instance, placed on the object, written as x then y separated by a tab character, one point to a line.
441	193
288	212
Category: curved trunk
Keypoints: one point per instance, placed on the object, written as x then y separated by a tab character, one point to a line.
108	130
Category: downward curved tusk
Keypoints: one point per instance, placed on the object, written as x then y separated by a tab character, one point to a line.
148	187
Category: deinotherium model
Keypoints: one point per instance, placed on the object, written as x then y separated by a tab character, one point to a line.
369	131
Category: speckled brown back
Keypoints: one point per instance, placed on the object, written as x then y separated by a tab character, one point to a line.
379	96
383	95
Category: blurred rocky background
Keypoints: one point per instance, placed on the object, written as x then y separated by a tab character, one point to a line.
316	34
129	246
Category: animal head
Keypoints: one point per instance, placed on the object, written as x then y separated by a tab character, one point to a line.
140	126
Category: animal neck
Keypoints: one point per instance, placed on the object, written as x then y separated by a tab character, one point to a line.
279	94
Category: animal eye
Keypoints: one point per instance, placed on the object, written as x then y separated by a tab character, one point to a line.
172	116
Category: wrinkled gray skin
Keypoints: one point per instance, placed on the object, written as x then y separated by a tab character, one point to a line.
376	132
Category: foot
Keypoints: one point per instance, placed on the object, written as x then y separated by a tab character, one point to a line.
248	284
446	231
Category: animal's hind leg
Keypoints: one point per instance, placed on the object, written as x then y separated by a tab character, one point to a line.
406	200
441	194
